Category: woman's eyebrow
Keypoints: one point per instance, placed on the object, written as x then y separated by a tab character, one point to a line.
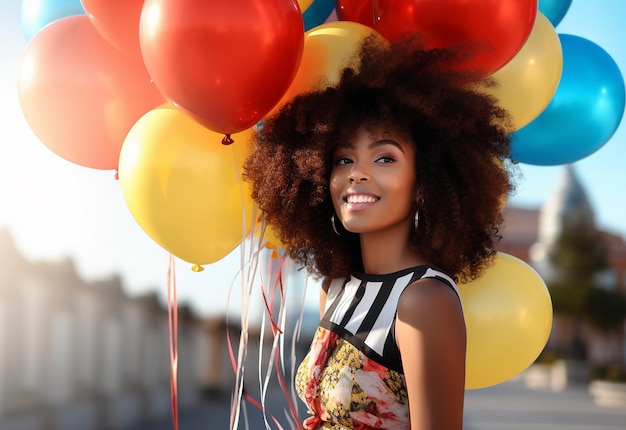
383	142
375	143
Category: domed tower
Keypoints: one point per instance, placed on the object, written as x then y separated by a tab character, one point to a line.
567	204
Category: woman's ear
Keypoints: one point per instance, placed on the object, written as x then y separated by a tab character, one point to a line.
419	200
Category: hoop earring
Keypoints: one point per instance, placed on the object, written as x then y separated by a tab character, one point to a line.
334	225
417	220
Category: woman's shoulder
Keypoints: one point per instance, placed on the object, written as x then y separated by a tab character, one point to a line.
429	298
427	290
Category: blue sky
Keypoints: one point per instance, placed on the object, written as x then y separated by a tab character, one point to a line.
56	209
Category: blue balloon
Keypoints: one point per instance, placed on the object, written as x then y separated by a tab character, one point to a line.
36	14
583	114
317	13
554	10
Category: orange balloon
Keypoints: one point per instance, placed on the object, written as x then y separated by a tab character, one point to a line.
304	4
527	83
183	186
80	95
117	21
327	50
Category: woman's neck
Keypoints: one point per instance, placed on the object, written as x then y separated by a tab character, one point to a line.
388	251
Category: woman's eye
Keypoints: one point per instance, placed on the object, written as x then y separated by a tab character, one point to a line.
385	159
342	161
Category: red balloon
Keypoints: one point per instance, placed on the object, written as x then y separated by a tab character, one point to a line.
499	27
361	11
117	21
225	63
80	95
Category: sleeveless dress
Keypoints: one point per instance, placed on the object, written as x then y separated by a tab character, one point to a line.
352	376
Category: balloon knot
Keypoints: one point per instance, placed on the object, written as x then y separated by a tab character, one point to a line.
227	140
117	175
197	268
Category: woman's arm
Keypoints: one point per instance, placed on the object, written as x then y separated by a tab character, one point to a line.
430	332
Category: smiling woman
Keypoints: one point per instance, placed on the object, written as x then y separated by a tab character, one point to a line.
389	186
459	138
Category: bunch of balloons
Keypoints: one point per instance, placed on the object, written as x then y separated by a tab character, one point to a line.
151	88
165	80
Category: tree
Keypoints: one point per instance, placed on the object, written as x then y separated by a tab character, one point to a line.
578	257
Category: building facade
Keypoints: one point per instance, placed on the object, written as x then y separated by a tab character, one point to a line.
77	355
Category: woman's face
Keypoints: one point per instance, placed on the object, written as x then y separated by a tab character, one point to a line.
372	182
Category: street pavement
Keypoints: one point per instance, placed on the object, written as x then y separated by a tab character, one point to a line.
508	406
513	406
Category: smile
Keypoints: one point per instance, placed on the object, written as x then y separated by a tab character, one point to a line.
360	198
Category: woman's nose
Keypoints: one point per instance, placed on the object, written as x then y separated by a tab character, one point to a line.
357	175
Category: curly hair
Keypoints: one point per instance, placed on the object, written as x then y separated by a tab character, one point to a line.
461	144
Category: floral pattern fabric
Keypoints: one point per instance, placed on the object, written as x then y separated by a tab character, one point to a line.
344	389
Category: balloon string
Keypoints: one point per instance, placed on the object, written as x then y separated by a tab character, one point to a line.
238	364
236	405
279	357
277	329
277	353
278	285
276	356
172	316
234	413
283	386
269	306
294	340
279	363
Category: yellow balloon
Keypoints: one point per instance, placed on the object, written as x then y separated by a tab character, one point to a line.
508	315
327	50
527	83
183	186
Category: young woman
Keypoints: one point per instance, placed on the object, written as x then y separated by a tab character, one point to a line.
389	186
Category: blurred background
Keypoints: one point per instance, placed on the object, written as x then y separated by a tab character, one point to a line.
83	288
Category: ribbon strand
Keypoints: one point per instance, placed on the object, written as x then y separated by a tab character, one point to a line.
172	317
